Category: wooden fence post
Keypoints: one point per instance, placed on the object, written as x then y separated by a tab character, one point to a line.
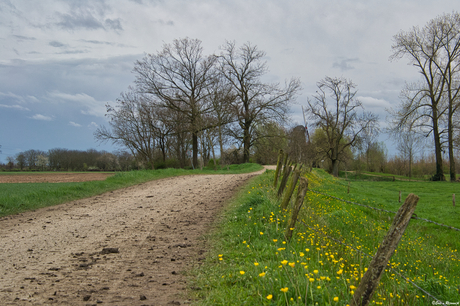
371	278
278	167
288	194
284	180
303	187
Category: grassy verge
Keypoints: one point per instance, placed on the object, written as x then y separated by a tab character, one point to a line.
252	264
17	198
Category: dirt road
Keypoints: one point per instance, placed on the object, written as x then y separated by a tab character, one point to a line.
127	247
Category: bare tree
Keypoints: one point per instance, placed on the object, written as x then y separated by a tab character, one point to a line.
221	97
408	144
255	101
339	119
134	125
435	51
178	77
10	160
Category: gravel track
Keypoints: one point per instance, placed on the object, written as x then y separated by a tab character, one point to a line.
126	247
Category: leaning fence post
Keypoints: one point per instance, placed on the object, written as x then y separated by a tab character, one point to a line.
371	278
284	180
288	194
303	187
278	167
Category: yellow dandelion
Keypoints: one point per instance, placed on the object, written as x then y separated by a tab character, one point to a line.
336	299
284	262
262	274
292	264
285	289
256	264
242	272
269	297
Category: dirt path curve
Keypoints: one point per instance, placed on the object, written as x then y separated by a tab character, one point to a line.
126	247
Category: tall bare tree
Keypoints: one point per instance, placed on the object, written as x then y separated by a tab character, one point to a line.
435	51
338	118
255	101
134	125
178	77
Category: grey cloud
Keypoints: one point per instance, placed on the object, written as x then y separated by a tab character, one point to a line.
22	38
80	20
73	52
100	42
97	42
169	22
114	24
344	63
56	44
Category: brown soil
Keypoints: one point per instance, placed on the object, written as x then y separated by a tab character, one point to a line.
54	177
126	247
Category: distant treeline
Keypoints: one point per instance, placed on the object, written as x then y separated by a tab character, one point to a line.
70	160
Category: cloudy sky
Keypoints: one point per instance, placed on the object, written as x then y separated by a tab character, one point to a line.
62	61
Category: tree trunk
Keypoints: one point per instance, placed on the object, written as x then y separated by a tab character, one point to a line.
450	131
195	148
246	144
335	167
439	175
221	145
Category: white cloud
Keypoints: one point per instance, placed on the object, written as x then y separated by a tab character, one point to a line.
11	95
19	107
41	117
74	124
370	102
91	106
93	125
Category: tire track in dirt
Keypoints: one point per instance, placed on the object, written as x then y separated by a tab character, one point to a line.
126	247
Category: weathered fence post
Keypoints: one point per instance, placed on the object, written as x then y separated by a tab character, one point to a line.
284	180
288	194
371	278
278	167
303	187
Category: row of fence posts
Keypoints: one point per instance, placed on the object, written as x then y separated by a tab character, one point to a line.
371	278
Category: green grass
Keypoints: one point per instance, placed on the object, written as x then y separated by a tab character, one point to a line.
250	262
16	198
